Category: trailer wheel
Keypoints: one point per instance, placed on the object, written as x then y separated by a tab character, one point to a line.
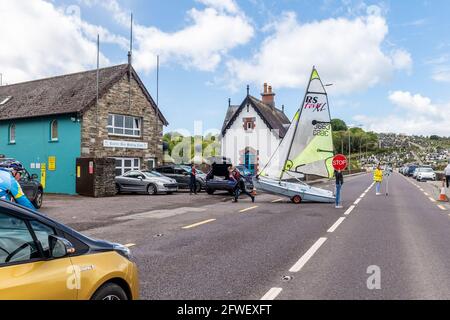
296	199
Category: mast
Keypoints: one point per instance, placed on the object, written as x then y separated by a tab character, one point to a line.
296	125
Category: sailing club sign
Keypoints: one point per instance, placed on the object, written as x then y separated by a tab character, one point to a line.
125	144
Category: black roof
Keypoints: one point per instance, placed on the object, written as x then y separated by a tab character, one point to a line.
66	94
274	118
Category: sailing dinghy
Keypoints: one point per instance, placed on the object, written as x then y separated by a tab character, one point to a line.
307	148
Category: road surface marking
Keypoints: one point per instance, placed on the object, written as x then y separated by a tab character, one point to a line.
442	207
431	199
421	189
272	294
198	224
129	245
308	255
426	194
277	200
248	209
349	210
357	201
336	225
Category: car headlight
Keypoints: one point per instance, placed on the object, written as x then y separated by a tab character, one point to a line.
122	250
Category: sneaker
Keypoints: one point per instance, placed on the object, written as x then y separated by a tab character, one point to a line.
378	194
339	207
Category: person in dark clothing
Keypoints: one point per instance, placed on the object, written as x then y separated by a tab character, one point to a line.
339	182
193	180
240	185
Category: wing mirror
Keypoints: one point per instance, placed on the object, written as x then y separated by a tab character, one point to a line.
34	176
60	247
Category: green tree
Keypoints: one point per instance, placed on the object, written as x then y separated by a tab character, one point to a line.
338	125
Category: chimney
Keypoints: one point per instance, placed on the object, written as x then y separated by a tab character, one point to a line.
268	97
282	108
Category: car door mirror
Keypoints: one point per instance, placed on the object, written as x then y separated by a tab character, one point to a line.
60	247
34	176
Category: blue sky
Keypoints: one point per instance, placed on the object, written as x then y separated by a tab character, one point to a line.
389	61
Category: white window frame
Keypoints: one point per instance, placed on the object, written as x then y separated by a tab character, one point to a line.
12	137
52	138
131	168
136	129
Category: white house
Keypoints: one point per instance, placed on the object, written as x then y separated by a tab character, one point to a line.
253	130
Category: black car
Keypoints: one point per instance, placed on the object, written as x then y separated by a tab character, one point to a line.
411	170
217	179
32	188
182	175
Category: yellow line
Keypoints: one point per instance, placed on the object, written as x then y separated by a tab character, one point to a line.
198	224
129	245
248	209
277	200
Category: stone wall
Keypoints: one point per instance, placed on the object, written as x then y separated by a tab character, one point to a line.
94	124
104	183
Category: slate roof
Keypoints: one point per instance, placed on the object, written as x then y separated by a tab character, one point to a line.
66	94
274	118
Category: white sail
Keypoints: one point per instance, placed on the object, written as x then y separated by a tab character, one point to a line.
307	147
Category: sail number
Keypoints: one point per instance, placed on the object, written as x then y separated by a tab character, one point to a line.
322	129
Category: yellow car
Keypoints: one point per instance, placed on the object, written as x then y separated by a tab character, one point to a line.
41	259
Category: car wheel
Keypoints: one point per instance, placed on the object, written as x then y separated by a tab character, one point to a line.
152	190
110	291
210	191
198	187
38	199
296	199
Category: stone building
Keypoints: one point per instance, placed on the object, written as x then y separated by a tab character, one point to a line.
47	124
253	130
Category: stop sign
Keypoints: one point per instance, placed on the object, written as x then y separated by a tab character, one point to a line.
339	162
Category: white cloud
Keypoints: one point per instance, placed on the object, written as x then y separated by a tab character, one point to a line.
440	71
40	40
347	52
416	114
223	5
201	45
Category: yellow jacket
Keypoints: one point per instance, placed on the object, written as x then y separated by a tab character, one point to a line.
378	175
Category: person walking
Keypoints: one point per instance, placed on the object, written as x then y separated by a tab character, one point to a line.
339	183
447	174
193	180
378	178
240	185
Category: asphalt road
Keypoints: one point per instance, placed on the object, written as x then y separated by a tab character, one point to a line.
204	247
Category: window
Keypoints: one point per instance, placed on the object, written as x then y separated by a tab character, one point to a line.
16	242
5	100
54	130
42	233
124	125
12	133
124	165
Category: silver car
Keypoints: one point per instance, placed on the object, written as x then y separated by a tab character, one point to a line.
149	182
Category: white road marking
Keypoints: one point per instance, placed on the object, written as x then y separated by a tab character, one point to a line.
129	245
357	201
442	207
277	200
272	294
308	255
431	199
426	194
336	225
248	209
198	224
349	210
363	195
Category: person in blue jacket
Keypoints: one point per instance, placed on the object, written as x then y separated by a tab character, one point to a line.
10	189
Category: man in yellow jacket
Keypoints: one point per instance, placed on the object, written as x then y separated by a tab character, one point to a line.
378	178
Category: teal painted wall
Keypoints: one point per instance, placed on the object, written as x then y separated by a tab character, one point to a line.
34	145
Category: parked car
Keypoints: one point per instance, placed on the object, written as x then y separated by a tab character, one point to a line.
150	182
425	174
41	259
411	170
32	188
182	175
30	184
217	179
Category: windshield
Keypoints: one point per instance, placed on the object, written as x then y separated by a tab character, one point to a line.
152	174
426	170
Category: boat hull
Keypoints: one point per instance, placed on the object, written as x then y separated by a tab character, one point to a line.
292	189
